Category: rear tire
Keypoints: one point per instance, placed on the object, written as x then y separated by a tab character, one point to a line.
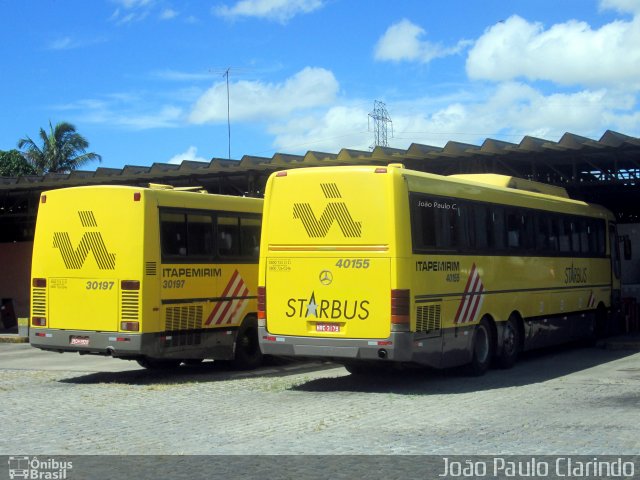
362	368
482	349
510	344
158	363
247	352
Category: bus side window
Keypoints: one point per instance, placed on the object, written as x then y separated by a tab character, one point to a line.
514	230
173	234
564	225
228	236
200	235
496	228
250	237
479	223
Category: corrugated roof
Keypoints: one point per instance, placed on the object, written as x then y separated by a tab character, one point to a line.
418	155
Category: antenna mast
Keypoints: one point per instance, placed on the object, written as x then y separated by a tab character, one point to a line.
226	75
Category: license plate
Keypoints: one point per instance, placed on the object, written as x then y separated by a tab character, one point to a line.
327	327
74	340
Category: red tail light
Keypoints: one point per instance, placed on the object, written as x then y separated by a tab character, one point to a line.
39	321
130	284
130	326
400	306
262	305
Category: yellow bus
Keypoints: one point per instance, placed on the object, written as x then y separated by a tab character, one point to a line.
158	275
371	265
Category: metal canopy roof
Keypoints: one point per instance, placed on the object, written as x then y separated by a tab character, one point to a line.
605	171
452	157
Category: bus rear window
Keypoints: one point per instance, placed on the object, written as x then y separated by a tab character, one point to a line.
200	237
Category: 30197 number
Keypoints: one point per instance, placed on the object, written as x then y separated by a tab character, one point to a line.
96	285
173	283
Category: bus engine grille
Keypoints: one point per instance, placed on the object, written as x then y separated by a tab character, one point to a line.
39	302
129	302
428	318
183	318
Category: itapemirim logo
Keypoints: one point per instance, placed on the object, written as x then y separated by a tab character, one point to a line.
91	241
334	211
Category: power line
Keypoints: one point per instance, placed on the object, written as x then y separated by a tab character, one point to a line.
380	120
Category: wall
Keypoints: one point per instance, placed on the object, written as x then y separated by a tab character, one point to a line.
15	274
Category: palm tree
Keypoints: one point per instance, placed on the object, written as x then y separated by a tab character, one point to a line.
62	150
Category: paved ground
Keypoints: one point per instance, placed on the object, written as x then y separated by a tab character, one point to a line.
571	401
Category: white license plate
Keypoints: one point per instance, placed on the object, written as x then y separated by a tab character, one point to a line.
79	341
327	327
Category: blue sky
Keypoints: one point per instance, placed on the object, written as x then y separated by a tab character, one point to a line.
143	80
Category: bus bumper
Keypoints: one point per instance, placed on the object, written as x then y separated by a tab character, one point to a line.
98	343
404	347
213	343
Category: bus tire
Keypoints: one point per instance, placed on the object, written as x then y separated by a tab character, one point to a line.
482	352
361	368
158	363
510	348
247	349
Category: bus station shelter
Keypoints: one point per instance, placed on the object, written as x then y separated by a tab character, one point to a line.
604	171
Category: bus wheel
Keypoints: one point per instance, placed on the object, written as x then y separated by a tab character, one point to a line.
193	362
482	349
158	363
510	344
247	353
362	369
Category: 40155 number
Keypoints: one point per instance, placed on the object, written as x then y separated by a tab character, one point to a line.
353	263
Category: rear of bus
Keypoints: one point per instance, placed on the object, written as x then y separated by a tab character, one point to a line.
328	272
87	270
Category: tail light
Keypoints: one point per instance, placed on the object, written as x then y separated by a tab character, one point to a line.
130	284
400	306
38	321
262	306
130	326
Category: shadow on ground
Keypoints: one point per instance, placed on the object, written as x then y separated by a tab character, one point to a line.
534	367
208	371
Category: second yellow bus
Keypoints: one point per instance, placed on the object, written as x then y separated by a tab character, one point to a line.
374	265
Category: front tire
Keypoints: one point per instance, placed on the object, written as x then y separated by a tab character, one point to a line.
247	349
482	349
510	344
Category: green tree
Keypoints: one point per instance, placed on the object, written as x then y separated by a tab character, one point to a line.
13	164
62	150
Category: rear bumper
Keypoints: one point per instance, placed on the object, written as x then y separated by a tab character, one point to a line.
404	347
216	344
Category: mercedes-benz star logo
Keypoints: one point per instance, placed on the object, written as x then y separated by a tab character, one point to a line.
326	277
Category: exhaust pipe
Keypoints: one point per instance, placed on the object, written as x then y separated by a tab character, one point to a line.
382	353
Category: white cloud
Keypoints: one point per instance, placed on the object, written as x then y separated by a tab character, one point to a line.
131	11
340	127
190	154
623	6
403	41
569	53
512	110
168	14
251	100
278	10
